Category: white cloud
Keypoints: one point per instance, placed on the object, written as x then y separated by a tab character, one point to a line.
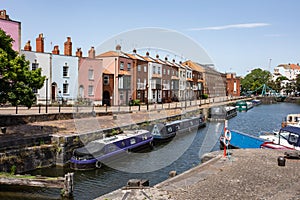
231	26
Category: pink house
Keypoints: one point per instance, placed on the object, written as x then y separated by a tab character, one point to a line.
12	28
90	77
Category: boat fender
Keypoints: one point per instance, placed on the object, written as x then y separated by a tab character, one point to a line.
227	135
98	164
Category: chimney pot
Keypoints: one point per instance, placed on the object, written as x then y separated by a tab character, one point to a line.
79	52
134	51
40	43
166	59
55	50
118	47
147	54
173	60
157	56
92	53
27	46
68	47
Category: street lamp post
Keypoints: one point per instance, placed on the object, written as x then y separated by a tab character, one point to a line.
46	95
147	86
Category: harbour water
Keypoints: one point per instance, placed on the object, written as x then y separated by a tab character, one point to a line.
181	154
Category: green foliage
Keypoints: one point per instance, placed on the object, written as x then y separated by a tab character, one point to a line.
204	96
13	169
298	83
17	80
255	79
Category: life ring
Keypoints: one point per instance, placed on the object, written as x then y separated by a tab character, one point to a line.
227	135
98	164
225	142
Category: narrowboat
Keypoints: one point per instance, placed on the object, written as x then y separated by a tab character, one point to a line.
101	151
256	102
166	131
244	105
221	113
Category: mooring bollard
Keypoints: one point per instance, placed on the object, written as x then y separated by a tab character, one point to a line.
69	185
3	130
281	161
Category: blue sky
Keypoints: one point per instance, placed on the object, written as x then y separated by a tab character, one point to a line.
238	35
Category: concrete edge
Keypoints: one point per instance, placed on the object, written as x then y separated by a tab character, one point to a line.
202	165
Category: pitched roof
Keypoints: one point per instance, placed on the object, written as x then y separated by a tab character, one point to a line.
194	66
112	54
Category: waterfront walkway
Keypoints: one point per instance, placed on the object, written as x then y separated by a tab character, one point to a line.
246	174
79	126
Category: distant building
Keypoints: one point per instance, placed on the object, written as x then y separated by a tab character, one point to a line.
233	85
12	28
290	71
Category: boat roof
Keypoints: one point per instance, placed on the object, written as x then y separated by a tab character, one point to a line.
97	145
292	129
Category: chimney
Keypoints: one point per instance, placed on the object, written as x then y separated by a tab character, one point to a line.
92	53
157	56
147	54
3	15
27	46
134	51
55	50
40	43
79	52
166	59
68	47
118	47
173	60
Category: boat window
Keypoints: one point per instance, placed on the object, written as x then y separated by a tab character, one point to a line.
132	141
293	138
170	129
123	144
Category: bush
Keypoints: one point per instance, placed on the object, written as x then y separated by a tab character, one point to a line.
135	102
204	96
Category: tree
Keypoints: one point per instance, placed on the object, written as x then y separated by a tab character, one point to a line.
17	81
255	79
298	83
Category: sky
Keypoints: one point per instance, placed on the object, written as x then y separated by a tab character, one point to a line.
238	35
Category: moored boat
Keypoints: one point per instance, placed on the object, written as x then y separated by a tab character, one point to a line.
287	138
166	131
291	120
256	102
242	140
101	151
221	113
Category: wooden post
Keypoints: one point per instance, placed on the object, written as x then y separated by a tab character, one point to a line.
68	185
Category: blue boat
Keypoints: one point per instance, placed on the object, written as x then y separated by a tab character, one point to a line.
98	152
242	141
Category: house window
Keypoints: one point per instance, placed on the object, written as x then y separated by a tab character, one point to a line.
65	88
35	66
168	72
122	65
145	68
91	74
106	80
128	66
154	69
34	90
81	91
91	90
158	70
65	70
164	71
139	94
139	68
121	95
